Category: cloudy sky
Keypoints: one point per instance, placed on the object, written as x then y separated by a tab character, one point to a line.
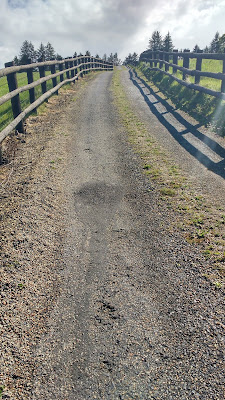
105	26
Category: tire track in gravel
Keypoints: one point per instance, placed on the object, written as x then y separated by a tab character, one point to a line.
135	319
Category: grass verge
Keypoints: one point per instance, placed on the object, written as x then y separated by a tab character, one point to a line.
199	220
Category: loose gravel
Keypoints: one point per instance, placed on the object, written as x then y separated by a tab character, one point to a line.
112	304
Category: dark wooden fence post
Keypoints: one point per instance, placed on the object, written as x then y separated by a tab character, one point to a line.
67	66
87	64
61	69
15	101
223	82
71	66
167	59
54	80
151	56
75	64
82	68
154	57
161	57
42	75
186	61
175	60
30	79
198	67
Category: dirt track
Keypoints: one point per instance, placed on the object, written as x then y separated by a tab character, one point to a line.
133	317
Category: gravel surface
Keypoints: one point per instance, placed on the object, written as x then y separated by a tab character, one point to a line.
129	316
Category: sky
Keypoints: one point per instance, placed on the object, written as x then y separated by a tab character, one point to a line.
105	26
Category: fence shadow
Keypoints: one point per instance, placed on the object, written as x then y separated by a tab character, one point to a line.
216	167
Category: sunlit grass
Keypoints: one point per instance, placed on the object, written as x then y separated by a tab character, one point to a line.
204	108
6	115
207	66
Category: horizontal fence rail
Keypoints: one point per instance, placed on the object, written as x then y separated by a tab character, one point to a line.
69	70
162	61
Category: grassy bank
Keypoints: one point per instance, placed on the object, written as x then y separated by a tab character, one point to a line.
200	221
207	110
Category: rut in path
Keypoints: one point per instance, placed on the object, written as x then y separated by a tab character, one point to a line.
135	319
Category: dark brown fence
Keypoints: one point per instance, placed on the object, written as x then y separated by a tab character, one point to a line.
162	61
69	70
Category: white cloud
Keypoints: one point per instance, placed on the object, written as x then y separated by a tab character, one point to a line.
105	26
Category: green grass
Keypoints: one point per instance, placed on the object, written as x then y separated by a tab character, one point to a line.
207	66
6	115
208	110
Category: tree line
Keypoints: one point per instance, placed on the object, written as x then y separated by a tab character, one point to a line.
47	52
157	42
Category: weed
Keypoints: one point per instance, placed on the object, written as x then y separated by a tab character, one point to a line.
147	166
200	234
20	285
218	284
197	221
1	390
167	192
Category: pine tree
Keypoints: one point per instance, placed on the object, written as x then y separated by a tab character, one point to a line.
27	53
41	53
215	45
206	49
222	43
196	48
110	58
167	43
49	52
16	60
131	59
87	53
155	43
104	57
75	54
116	60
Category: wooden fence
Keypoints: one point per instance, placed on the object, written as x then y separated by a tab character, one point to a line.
69	70
162	61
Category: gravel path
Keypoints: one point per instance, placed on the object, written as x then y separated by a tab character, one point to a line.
135	318
99	298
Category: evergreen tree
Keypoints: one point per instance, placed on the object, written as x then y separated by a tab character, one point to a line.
58	57
87	53
16	60
75	55
215	45
97	56
104	57
110	58
27	53
222	43
49	52
167	43
116	60
41	53
196	48
155	43
131	59
206	49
